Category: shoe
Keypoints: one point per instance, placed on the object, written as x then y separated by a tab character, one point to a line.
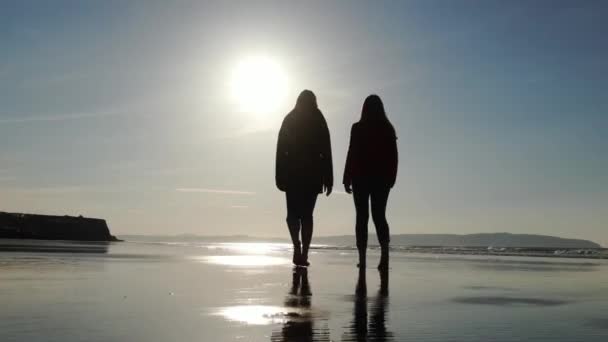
303	262
362	261
383	266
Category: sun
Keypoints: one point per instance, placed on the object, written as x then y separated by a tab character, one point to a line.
258	85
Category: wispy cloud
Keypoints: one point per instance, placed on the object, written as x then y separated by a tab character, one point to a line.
215	191
62	117
58	190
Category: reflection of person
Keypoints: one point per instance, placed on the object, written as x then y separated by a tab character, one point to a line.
370	173
303	169
299	325
359	329
377	322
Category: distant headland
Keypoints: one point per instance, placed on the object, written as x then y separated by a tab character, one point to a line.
476	240
49	227
495	240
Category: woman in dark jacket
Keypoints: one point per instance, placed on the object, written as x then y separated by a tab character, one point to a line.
303	169
370	173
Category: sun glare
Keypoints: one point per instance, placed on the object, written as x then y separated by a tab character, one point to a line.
259	85
254	314
245	260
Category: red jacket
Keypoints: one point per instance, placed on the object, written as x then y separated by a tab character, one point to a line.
372	155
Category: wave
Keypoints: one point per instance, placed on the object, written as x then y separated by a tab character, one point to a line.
268	247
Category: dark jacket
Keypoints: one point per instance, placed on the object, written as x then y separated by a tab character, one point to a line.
303	160
372	155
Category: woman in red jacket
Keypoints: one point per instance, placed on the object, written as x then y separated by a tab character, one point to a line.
370	173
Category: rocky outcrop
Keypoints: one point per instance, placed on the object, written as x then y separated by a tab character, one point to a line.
48	227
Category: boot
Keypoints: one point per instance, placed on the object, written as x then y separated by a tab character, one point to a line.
362	258
383	265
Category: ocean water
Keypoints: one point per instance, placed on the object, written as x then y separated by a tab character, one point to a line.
194	291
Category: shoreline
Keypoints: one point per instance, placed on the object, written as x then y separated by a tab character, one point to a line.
67	246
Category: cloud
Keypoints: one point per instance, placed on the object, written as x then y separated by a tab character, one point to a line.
63	117
215	191
239	206
57	190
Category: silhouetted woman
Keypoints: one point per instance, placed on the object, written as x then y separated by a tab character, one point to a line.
370	173
303	169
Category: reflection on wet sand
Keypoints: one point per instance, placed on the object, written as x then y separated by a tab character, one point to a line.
374	330
300	323
52	246
244	260
502	300
253	314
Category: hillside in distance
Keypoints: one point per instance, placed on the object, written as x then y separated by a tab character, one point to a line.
420	240
468	240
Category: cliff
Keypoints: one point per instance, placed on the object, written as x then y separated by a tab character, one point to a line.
48	227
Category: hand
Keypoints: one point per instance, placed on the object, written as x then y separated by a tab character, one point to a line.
281	186
348	188
327	189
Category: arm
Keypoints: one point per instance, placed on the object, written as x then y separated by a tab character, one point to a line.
347	180
281	159
394	155
328	170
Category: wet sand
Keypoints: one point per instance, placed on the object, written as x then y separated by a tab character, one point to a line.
250	292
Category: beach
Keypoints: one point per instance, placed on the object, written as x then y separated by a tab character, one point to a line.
222	291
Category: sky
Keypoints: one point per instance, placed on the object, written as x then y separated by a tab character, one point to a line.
123	110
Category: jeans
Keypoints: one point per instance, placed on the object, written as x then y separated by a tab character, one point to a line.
363	194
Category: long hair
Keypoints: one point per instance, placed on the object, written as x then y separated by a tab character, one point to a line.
373	112
306	102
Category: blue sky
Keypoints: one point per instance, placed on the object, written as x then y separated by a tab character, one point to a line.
120	109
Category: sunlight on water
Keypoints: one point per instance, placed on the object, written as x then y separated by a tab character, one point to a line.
244	260
254	314
253	247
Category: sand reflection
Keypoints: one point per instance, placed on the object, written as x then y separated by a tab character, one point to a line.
301	323
246	254
244	260
251	247
254	314
375	328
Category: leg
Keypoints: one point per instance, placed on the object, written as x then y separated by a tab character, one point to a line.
307	225
293	223
361	198
379	199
